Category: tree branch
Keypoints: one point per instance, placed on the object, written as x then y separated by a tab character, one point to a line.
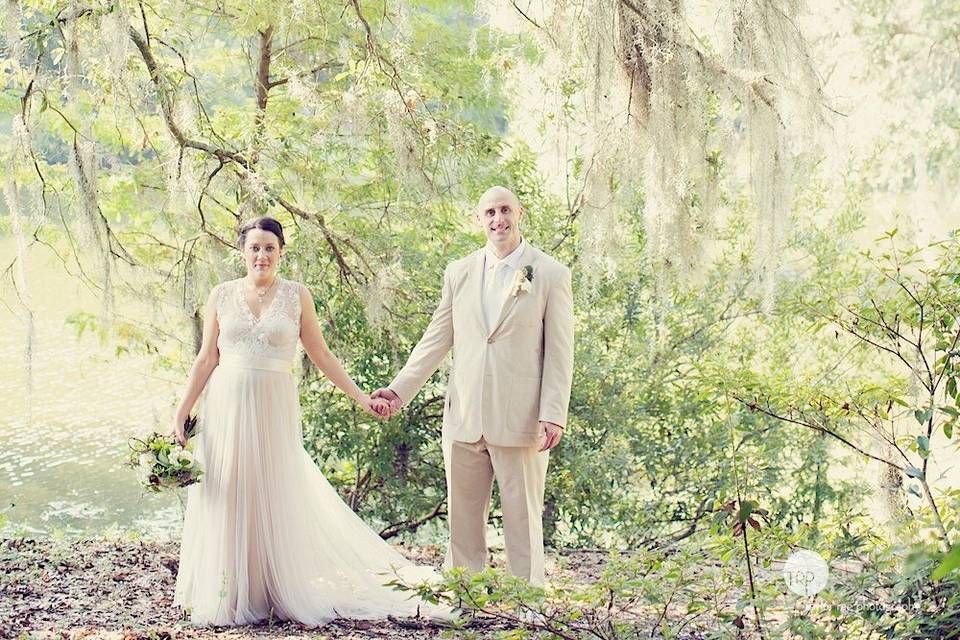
225	156
395	529
316	69
753	406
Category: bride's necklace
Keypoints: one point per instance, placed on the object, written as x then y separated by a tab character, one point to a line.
262	293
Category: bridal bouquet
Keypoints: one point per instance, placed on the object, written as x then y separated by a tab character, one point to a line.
161	463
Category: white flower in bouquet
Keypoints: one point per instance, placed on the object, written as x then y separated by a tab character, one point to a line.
161	463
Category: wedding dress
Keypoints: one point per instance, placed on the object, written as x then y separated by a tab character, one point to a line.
265	535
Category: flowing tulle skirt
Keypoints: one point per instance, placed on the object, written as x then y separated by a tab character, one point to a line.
265	535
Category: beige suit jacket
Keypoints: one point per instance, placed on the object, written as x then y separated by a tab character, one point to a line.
508	377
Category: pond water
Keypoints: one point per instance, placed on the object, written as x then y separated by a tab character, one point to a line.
66	413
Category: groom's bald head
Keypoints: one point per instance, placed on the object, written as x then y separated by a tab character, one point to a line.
499	213
496	194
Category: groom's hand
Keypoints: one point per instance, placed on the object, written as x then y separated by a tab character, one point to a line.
387	394
551	434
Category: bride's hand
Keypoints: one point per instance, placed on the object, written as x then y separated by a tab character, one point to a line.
178	433
377	408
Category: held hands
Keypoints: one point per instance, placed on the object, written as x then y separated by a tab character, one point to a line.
394	403
375	406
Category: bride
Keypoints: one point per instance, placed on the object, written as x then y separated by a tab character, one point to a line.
265	535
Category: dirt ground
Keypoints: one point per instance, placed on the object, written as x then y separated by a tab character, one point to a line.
123	590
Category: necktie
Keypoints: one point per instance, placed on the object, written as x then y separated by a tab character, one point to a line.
502	268
495	292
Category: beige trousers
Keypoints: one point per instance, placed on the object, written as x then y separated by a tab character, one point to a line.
520	473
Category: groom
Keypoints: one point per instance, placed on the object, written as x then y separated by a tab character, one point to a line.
507	312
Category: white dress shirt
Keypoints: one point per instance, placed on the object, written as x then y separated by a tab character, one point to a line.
498	275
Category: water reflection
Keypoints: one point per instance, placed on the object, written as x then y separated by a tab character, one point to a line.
66	415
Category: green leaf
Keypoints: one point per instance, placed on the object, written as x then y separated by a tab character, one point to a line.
950	562
913	472
923	444
951	411
923	416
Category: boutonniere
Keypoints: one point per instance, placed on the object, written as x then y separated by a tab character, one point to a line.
522	280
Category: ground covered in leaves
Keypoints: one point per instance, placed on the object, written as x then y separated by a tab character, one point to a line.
123	590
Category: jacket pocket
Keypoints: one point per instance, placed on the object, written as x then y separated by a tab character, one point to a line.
451	408
524	406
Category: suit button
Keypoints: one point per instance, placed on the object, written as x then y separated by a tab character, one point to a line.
489	340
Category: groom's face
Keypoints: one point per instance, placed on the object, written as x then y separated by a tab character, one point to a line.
499	214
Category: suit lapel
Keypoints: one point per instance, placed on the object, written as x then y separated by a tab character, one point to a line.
505	310
529	257
474	287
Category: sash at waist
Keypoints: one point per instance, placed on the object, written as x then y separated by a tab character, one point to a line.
235	361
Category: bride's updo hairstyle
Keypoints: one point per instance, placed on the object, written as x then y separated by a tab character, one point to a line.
266	223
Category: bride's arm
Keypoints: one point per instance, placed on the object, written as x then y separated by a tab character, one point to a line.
323	358
204	364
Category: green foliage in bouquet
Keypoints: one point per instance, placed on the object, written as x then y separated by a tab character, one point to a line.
163	464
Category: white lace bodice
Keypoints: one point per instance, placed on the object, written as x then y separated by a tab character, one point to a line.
274	335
